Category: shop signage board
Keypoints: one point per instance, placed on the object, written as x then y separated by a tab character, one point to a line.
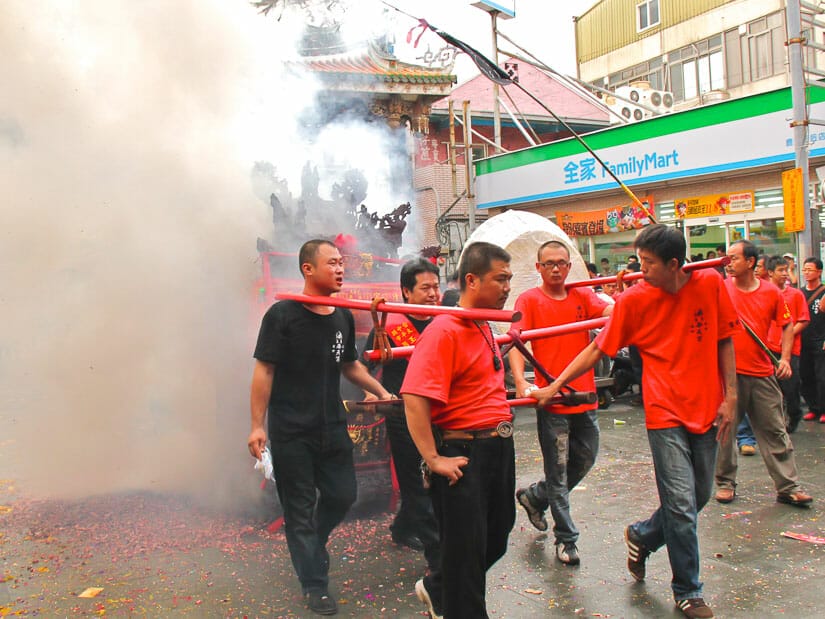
794	200
740	134
604	221
714	205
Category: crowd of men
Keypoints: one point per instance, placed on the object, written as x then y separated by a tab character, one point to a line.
453	446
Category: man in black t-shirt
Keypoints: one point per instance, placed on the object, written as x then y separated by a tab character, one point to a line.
302	352
414	524
812	355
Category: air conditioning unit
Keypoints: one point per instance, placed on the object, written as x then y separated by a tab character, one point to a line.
628	111
660	100
635	92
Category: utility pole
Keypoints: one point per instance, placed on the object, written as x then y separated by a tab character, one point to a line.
506	9
496	106
468	165
800	120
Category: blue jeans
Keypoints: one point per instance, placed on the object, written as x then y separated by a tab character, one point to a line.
569	445
684	465
744	433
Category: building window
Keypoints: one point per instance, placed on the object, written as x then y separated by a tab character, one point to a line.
647	14
756	50
697	69
649	71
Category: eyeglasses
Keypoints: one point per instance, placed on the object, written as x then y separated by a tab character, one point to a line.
561	264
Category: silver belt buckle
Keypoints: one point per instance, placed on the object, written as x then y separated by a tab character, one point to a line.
504	429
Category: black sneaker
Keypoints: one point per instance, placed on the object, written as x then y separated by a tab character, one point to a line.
637	554
424	595
694	607
567	553
320	603
411	541
535	514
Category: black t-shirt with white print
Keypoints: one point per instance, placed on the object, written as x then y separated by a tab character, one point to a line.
307	350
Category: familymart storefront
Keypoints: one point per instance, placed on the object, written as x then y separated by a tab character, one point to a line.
715	172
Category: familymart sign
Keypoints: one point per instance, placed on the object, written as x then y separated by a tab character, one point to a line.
735	135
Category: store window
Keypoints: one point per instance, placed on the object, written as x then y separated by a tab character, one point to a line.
767	233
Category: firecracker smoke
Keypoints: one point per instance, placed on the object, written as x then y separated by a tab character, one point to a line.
129	133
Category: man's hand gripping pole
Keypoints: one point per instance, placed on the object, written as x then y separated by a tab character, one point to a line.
569	397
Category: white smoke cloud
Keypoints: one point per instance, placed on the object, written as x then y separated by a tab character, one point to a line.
128	133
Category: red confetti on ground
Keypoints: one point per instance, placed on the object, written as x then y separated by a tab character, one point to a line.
802	537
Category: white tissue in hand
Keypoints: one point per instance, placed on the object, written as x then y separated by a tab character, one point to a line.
265	464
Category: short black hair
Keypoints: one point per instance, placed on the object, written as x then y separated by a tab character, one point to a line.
410	271
605	260
662	241
815	261
309	250
478	259
552	243
749	250
771	262
450	297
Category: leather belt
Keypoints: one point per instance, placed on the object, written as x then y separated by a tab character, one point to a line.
502	430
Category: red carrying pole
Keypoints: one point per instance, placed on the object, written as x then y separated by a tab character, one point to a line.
283	254
405	308
585	325
402	352
629	277
398	403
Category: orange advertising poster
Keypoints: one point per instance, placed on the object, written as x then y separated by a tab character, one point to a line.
794	200
714	205
604	221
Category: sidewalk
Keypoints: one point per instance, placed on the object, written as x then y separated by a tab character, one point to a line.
161	556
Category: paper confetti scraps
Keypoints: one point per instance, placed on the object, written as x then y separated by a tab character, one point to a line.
802	537
735	514
91	592
5	509
534	591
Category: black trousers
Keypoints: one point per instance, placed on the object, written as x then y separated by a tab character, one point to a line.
315	477
812	375
790	392
415	517
475	517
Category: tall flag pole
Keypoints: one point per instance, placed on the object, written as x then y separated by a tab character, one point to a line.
498	75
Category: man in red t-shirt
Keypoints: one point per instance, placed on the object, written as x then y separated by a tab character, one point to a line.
568	435
759	302
682	324
459	418
778	275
